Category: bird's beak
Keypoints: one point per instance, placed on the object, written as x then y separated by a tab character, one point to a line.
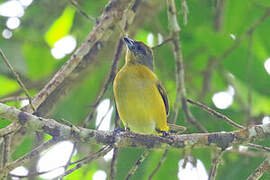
130	43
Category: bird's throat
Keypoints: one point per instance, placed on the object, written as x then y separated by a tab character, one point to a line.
143	60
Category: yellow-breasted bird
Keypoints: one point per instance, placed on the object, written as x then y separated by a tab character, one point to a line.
140	98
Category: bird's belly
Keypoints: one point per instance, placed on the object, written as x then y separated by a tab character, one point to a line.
140	105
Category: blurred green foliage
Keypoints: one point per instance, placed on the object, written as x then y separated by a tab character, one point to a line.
30	54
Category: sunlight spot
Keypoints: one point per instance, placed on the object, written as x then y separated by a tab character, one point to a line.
243	148
57	53
13	22
150	39
267	65
104	115
63	47
229	148
197	172
108	156
233	36
7	34
26	3
55	157
231	75
24	102
20	171
99	175
67	43
160	38
11	8
230	90
266	120
224	99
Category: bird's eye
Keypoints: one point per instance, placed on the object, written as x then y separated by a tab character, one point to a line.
141	50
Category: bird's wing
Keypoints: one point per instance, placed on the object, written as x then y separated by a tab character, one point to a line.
164	96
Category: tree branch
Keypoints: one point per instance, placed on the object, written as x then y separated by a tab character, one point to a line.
215	113
18	79
112	14
217	155
137	164
260	170
128	139
161	161
88	159
180	75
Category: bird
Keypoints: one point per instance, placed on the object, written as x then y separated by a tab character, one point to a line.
141	100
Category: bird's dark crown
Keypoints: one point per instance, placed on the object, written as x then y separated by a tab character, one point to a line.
138	52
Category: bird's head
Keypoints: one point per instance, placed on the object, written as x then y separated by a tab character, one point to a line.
138	52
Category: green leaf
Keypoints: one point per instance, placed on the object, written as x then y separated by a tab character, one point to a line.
60	27
257	78
7	85
40	62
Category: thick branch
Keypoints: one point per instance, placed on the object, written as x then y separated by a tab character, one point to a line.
112	14
127	139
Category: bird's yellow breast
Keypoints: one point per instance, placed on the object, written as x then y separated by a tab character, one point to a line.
139	103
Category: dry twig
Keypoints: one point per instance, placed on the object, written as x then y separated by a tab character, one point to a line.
88	159
75	4
25	158
18	79
161	161
216	159
180	80
260	170
137	164
215	113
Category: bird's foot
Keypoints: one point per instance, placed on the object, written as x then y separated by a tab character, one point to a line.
164	133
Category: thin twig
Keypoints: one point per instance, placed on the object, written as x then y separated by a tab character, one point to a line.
88	159
44	172
184	11
9	129
217	23
12	98
69	158
114	163
249	75
218	17
115	150
137	164
18	79
102	118
215	113
260	170
259	147
31	154
248	153
216	159
180	79
238	41
6	155
207	75
34	174
161	161
75	4
1	152
163	43
39	137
